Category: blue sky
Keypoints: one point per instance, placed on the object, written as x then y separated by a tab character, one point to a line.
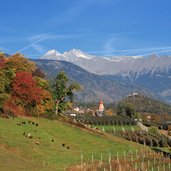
97	27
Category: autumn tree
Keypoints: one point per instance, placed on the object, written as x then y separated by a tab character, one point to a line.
23	90
19	63
13	107
47	104
6	76
2	60
63	91
35	99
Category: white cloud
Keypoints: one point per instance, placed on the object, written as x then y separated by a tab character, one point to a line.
140	52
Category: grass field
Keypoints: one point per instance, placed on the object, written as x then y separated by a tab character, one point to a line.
18	152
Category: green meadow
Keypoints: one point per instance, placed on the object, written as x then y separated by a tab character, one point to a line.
54	145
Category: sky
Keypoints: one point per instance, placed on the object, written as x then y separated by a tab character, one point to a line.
96	27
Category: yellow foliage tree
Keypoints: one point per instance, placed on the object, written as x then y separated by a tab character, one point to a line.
19	63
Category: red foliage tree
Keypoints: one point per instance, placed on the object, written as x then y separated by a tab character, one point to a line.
12	107
25	88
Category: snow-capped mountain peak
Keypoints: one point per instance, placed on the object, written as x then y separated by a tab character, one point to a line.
53	52
111	65
77	53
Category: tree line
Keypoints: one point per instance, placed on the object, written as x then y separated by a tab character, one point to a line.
24	91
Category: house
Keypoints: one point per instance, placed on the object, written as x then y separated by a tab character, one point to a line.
79	110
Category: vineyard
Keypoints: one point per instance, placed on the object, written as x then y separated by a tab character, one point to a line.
142	137
105	120
145	160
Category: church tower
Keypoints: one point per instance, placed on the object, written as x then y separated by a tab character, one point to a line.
101	106
100	111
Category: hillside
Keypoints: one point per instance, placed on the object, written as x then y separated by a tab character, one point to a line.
145	104
95	87
60	145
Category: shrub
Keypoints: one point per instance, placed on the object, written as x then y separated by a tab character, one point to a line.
153	130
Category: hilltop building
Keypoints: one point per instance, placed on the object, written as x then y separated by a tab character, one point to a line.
133	94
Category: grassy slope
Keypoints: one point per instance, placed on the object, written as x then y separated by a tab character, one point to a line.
18	152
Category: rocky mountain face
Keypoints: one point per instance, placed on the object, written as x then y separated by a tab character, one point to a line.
136	73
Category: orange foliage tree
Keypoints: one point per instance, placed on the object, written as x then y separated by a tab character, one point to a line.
32	96
19	63
23	89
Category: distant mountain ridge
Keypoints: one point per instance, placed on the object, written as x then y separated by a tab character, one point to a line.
122	65
152	73
95	87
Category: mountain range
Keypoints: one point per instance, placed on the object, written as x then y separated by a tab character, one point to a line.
151	75
94	87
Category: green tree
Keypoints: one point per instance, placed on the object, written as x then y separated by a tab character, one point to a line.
63	91
126	109
121	109
130	110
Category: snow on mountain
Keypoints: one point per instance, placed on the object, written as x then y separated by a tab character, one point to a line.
52	52
123	65
77	53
